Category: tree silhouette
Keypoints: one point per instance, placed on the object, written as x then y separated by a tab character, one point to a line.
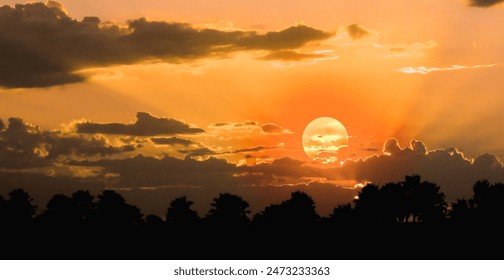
411	200
85	207
394	204
489	201
427	202
298	211
60	211
180	214
343	214
112	210
19	208
228	210
368	204
3	209
463	211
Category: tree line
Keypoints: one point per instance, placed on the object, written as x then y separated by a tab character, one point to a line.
411	201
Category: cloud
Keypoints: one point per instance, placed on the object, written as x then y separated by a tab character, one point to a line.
271	128
290	38
42	46
200	152
289	55
143	171
24	145
172	141
145	125
426	70
485	3
449	168
254	149
233	130
2	125
356	32
280	170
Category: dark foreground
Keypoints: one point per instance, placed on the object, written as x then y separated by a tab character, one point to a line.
408	241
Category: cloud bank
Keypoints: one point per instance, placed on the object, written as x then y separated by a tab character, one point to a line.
42	46
48	161
448	168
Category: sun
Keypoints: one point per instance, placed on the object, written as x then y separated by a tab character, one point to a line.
323	138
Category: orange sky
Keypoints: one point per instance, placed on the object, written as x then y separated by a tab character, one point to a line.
427	70
360	84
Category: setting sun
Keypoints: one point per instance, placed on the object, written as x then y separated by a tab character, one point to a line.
323	138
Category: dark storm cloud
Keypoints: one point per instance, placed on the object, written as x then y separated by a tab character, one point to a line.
24	145
356	32
172	141
485	3
2	126
145	125
42	46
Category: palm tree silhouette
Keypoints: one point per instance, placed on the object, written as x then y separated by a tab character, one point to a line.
368	204
343	214
298	211
228	210
394	203
180	214
112	210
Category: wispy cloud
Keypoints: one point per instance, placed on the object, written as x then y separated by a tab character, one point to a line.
426	70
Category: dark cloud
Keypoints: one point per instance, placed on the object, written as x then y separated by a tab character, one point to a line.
42	46
254	149
356	32
449	168
219	124
143	171
145	125
283	168
24	145
485	3
2	125
289	55
290	38
247	123
200	152
172	141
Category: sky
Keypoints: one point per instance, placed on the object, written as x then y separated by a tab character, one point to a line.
158	99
